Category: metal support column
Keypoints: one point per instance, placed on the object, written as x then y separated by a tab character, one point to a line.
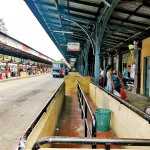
82	66
106	62
137	78
110	61
79	65
120	63
86	57
97	53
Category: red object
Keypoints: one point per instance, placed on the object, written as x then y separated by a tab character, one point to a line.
101	81
25	47
0	76
123	94
60	72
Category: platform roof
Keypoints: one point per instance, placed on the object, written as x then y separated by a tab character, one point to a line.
12	47
126	20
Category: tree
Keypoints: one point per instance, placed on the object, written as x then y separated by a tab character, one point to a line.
2	26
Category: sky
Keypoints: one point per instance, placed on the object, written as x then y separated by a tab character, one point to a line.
23	26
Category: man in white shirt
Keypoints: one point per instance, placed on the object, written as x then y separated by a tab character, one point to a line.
132	71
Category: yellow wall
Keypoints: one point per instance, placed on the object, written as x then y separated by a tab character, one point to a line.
71	84
92	90
74	74
47	124
23	74
144	53
125	122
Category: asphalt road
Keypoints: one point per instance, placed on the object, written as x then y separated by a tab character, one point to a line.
20	102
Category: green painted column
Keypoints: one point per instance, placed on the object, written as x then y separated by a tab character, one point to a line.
82	66
97	53
79	65
86	58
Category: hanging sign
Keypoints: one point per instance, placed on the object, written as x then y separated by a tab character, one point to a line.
72	63
131	46
73	59
73	46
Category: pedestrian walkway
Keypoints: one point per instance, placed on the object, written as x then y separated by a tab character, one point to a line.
16	78
71	125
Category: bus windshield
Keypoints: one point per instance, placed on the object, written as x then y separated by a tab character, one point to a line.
55	65
58	66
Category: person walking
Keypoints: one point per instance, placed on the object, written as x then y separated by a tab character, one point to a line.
60	73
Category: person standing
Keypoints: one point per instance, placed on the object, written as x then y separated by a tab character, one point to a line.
125	74
1	73
110	84
116	81
132	71
101	76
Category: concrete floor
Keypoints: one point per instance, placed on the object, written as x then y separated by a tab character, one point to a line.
20	102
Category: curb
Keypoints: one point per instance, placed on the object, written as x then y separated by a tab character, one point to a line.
18	78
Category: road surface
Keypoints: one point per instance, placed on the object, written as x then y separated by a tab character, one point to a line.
20	102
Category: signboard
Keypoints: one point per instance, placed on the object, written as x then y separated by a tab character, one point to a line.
72	63
72	59
58	62
131	46
73	46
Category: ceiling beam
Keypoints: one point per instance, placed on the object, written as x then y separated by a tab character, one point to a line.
130	27
129	21
84	3
146	3
111	40
57	7
79	10
115	38
120	35
120	10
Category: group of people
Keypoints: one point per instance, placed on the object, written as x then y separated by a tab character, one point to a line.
10	72
111	80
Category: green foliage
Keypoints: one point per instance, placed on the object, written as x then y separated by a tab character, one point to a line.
2	26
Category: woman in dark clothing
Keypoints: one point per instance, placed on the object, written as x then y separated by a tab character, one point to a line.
116	81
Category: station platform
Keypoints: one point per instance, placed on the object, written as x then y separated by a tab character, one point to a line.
71	116
137	100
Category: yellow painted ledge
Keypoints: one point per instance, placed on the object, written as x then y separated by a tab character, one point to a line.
71	84
74	149
74	74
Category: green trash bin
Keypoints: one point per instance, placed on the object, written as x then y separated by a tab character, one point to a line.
103	119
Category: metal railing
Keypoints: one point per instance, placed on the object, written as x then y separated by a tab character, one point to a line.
85	108
93	141
25	135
